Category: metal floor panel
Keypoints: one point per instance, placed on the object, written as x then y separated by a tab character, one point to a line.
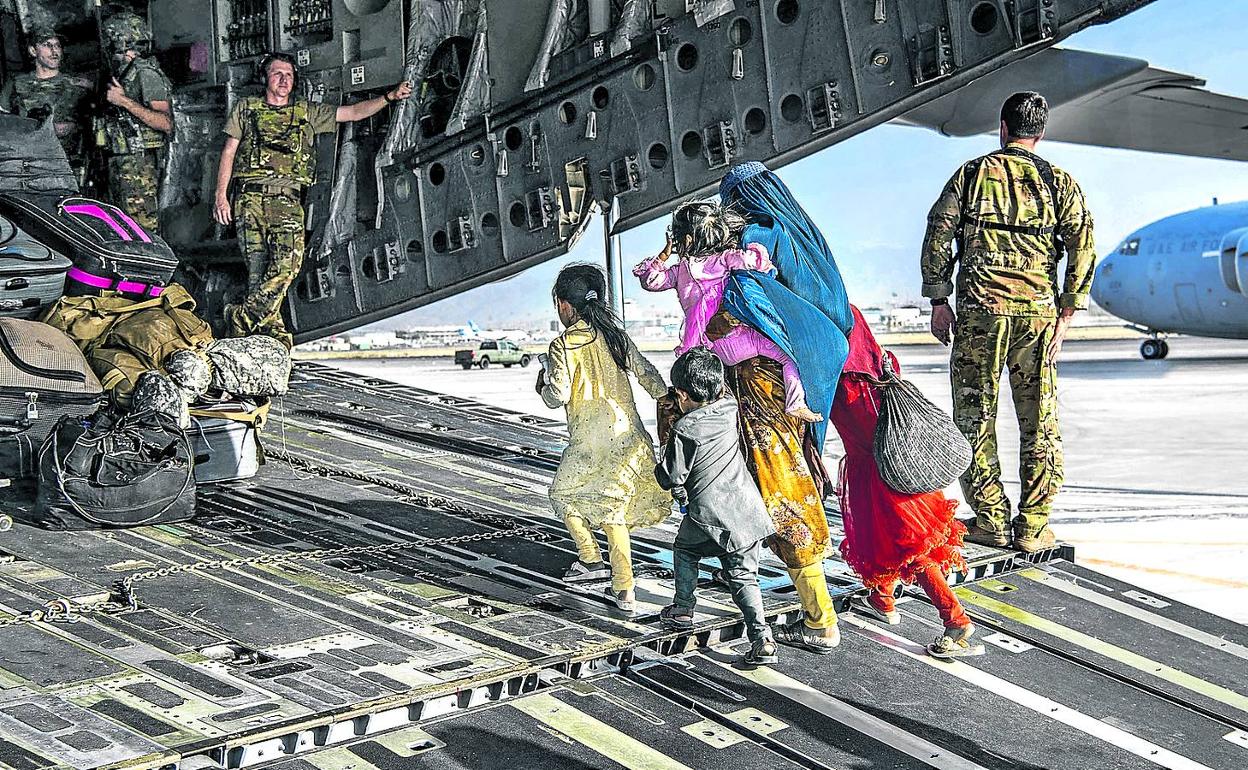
395	564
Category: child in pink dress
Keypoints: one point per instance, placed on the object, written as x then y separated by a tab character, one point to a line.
706	236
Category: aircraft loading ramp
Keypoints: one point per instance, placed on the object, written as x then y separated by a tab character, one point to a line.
386	594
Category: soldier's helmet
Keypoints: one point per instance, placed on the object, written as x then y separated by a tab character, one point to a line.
126	31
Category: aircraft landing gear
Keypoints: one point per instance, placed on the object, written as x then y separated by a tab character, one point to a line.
1154	349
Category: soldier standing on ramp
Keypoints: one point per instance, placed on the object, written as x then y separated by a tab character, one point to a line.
275	166
1012	214
136	131
49	93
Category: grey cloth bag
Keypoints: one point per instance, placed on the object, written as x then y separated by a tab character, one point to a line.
917	447
250	366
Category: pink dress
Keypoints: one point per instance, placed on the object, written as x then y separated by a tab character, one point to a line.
699	284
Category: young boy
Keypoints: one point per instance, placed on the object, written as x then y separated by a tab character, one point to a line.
725	518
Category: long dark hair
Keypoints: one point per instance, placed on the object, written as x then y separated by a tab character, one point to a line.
584	287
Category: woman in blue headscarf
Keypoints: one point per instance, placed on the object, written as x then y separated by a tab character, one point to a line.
805	311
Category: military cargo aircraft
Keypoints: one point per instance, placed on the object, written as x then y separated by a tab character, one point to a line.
387	593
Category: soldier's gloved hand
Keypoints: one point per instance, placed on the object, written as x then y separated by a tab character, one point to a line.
401	91
944	323
221	211
115	93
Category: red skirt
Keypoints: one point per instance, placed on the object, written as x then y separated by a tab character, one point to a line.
889	535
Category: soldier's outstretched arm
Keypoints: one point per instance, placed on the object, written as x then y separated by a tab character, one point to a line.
221	211
937	260
349	113
1076	228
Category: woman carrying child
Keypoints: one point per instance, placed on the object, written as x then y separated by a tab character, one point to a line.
606	477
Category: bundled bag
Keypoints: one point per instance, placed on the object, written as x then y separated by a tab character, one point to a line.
115	471
250	366
123	338
917	447
43	377
155	392
31	157
110	251
226	440
32	276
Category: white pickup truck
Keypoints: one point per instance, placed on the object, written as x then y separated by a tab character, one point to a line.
489	352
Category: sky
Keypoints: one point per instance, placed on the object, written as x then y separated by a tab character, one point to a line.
874	221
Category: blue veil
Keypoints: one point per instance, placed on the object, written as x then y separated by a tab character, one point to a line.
804	308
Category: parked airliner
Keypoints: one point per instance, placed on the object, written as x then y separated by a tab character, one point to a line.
1185	274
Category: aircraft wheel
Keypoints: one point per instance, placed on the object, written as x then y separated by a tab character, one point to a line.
485	363
1153	350
524	362
1165	349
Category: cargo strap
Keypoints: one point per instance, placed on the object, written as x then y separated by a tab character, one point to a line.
79	275
256	417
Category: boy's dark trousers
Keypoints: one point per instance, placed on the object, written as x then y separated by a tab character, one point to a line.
740	568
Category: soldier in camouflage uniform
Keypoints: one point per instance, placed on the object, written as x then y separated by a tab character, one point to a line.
136	130
269	150
49	93
1012	213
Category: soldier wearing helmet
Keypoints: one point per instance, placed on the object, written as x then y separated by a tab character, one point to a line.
135	132
269	151
47	93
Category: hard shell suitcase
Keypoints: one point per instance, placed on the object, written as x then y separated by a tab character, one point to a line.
225	441
43	377
32	276
110	251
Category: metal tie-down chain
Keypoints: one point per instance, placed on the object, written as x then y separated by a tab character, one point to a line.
123	599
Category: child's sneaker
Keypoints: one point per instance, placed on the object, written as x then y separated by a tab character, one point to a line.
762	653
953	643
626	601
798	634
878	606
582	572
676	618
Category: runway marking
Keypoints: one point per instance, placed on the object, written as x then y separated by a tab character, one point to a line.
1046	707
594	734
1134	660
854	718
1214	581
1139	613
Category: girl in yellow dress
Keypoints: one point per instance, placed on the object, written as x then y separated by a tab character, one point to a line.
606	478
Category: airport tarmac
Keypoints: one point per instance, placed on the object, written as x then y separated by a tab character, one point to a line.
1156	492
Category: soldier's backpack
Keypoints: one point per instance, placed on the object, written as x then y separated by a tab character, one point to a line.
110	251
970	172
32	276
32	159
114	470
43	377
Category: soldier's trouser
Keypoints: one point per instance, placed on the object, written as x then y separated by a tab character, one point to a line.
982	345
133	184
271	236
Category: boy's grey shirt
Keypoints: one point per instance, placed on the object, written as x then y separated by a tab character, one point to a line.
703	455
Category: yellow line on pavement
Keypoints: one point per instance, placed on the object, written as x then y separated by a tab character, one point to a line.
1134	660
595	734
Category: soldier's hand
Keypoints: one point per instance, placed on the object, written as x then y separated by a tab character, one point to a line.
115	93
221	211
401	91
1059	334
944	323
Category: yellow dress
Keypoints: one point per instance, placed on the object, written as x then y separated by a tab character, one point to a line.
607	472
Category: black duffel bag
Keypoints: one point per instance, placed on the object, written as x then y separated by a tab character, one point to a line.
917	447
115	471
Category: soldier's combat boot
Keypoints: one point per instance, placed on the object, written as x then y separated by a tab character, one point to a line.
1039	541
996	538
